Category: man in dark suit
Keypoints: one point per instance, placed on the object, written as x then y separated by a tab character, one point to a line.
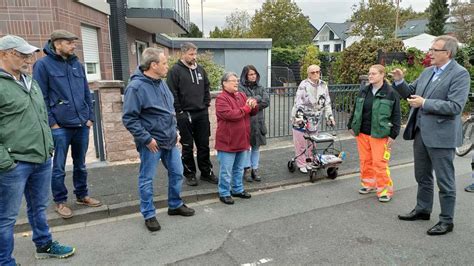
437	99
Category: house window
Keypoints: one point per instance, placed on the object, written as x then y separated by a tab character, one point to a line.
90	45
331	35
337	47
326	48
140	46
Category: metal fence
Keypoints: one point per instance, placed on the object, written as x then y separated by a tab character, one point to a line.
278	114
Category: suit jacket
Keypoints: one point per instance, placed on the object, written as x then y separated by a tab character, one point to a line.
440	117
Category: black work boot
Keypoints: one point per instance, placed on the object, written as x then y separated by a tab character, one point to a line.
191	180
255	175
248	174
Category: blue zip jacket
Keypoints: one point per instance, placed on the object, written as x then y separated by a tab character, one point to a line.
148	111
65	89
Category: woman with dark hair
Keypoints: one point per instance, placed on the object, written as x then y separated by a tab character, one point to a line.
249	84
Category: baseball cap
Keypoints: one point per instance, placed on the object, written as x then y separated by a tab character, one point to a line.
62	35
17	43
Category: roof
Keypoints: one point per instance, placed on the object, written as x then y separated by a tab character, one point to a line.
421	42
415	27
215	43
341	30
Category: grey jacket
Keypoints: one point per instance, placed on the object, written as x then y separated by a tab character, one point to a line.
258	130
440	117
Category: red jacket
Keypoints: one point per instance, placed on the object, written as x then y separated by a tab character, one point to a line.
233	122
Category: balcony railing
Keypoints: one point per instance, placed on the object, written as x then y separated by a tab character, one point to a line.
179	7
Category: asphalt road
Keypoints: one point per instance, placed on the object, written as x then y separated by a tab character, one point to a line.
323	223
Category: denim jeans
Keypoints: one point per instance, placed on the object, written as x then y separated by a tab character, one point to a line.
253	156
149	162
78	139
231	170
34	181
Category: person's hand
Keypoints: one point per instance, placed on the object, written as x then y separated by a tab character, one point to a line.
89	123
390	141
251	102
55	126
331	122
397	74
415	101
153	146
178	137
351	131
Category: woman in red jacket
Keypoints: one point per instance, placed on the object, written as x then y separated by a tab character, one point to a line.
233	111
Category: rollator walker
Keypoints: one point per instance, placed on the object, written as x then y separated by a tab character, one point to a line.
326	158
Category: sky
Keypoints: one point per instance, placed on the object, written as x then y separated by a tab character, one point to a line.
319	11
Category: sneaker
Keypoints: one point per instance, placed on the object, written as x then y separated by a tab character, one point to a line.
191	181
248	174
63	210
227	200
243	195
385	198
211	178
183	211
89	202
469	188
152	224
303	170
54	250
367	190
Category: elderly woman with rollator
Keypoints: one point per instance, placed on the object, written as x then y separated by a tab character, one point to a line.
250	85
375	122
233	111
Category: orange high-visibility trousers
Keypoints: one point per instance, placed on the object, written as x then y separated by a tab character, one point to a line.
374	170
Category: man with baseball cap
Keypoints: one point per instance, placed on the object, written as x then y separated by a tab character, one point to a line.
26	147
70	115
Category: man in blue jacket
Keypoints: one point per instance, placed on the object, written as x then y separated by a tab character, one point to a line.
148	114
70	113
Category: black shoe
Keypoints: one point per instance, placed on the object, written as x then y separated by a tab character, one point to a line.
191	180
211	178
152	224
243	195
248	174
183	211
255	175
440	229
413	216
227	200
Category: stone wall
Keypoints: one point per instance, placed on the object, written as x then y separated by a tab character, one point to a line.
118	142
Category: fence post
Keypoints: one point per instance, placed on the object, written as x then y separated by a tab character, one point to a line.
119	144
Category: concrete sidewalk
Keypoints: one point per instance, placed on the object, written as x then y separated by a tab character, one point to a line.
116	185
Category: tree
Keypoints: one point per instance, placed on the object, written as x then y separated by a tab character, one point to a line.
311	57
439	11
463	14
237	25
284	22
194	32
377	18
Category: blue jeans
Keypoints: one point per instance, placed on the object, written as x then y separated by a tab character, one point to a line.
33	180
231	170
149	162
253	156
78	139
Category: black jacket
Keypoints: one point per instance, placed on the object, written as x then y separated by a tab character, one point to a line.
190	88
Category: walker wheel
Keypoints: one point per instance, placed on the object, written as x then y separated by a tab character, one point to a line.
332	172
291	166
312	176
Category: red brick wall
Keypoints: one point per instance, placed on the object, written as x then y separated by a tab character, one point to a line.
34	20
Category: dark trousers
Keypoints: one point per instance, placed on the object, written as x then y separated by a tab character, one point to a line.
194	128
441	161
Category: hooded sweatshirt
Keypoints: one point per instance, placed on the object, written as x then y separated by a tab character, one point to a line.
190	87
148	111
65	89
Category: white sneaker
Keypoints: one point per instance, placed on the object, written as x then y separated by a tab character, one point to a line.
303	170
309	166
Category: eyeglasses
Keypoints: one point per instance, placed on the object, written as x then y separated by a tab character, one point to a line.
315	72
431	50
233	80
22	55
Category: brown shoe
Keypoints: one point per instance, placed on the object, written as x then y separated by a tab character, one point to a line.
63	211
89	202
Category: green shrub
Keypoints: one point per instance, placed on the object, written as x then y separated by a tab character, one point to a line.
288	55
309	58
214	71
